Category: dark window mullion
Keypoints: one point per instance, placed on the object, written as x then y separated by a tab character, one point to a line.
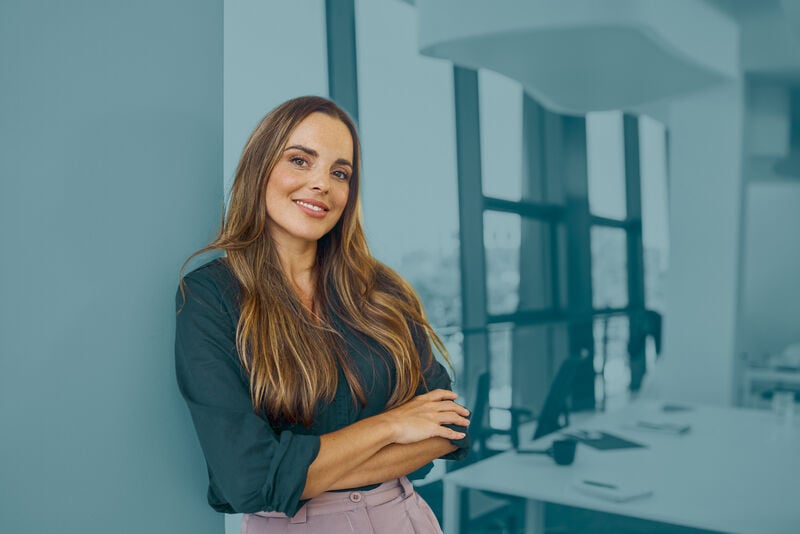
530	210
470	214
635	252
340	25
555	281
597	220
579	270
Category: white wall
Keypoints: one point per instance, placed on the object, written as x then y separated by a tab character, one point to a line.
111	141
771	289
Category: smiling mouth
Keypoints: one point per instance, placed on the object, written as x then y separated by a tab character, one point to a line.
310	206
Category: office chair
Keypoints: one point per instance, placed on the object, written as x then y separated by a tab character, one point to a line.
481	432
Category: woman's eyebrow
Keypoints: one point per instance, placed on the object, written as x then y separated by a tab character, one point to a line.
313	153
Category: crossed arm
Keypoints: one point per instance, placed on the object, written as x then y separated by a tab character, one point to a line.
388	445
394	461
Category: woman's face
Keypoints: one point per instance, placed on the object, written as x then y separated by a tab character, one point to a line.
308	189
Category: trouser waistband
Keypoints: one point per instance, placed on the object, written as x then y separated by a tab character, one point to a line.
337	501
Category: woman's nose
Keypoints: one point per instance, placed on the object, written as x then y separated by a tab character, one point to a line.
320	181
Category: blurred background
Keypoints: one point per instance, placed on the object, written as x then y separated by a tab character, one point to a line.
615	179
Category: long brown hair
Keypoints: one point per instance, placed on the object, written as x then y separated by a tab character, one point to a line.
277	337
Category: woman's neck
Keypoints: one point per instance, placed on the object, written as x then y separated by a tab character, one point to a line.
299	267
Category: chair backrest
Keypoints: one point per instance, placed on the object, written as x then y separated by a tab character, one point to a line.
480	412
480	407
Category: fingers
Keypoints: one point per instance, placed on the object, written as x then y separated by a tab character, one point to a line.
445	417
453	419
449	433
441	417
425	416
440	394
444	399
450	406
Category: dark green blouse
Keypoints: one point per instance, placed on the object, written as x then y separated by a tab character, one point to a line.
255	464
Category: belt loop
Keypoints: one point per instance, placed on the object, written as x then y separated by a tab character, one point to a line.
300	516
408	487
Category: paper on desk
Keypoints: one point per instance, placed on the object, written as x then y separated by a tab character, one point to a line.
610	490
661	427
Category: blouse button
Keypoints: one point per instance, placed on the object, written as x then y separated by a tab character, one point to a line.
355	497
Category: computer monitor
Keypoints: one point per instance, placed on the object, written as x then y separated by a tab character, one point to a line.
556	402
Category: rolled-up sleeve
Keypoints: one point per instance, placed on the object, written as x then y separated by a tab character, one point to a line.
250	468
436	377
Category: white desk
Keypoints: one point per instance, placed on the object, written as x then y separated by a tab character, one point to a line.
738	470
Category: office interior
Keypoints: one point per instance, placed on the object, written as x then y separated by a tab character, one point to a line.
617	181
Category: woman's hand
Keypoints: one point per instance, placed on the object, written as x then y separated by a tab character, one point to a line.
423	416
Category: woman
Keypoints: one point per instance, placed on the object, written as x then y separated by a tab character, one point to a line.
307	364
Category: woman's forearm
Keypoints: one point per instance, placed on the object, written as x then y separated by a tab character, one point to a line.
418	420
394	461
344	450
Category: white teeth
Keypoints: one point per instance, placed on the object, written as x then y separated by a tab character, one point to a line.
309	206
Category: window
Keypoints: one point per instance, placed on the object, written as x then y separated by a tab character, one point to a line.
655	205
629	243
605	154
609	267
501	135
501	237
562	239
560	224
523	244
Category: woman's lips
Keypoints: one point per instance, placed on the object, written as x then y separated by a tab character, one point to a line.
314	209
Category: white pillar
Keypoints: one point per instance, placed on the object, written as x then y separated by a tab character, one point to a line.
705	188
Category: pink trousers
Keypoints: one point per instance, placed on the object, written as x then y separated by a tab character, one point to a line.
391	508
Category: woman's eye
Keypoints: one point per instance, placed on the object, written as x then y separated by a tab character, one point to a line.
299	161
341	175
